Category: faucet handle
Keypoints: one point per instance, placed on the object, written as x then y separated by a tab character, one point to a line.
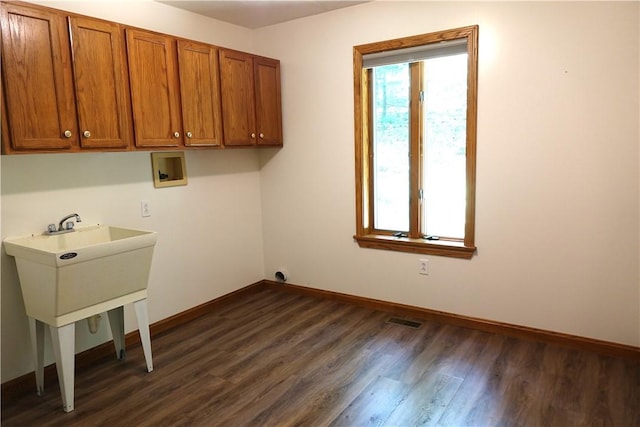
68	225
51	228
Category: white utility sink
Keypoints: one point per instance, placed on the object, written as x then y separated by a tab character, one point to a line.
70	276
62	274
95	241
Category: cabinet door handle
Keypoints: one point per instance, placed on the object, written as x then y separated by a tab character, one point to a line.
86	134
262	135
189	135
176	134
67	134
253	135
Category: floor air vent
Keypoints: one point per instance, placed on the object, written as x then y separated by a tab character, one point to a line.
404	322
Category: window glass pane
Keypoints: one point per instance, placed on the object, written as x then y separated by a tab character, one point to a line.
444	150
391	147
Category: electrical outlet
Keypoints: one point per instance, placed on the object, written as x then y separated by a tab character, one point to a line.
423	266
145	208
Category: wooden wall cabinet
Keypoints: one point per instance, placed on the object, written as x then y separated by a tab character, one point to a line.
101	83
200	93
73	83
268	104
46	109
175	91
251	106
155	97
37	78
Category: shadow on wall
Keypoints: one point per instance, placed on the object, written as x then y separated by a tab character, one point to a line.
53	172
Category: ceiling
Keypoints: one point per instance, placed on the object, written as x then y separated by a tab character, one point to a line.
258	13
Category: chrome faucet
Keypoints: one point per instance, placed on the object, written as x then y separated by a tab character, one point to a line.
64	226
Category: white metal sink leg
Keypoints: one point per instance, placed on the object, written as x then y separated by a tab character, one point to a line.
116	322
63	340
36	328
143	328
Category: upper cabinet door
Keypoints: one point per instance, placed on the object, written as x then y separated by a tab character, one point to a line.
238	108
154	89
102	92
37	77
268	104
200	93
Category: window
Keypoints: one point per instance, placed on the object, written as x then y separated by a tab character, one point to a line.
415	140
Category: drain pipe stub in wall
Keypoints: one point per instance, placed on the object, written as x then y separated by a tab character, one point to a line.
282	275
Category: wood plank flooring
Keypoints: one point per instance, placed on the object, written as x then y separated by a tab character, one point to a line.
280	358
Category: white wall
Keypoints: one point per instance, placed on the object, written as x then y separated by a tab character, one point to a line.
210	231
557	220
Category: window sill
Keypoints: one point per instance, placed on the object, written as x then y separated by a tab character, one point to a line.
445	248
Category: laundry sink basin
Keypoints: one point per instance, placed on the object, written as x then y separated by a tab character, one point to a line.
68	277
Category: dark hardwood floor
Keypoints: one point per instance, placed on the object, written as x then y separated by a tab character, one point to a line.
280	358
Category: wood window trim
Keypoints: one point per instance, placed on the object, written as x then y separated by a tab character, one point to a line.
448	248
366	236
